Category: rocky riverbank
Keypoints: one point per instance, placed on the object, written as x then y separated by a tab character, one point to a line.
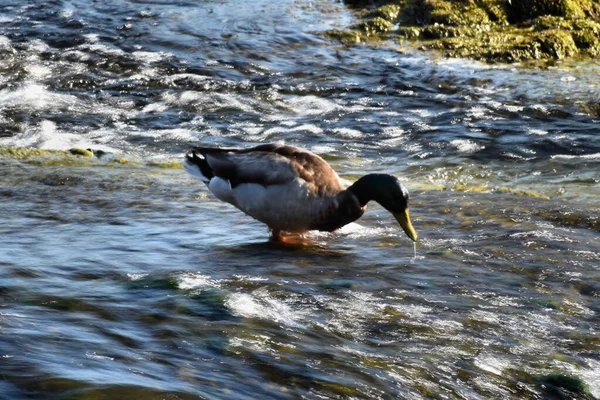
494	31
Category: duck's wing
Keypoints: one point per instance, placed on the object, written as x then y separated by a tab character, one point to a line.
269	164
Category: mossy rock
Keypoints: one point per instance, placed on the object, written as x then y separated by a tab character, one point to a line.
587	43
347	36
521	10
375	26
557	43
409	32
388	12
586	35
457	13
505	47
546	22
496	10
543	30
443	31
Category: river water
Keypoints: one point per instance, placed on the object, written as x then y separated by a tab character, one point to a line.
121	279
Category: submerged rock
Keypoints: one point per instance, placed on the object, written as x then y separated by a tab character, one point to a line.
561	386
81	152
83	158
489	30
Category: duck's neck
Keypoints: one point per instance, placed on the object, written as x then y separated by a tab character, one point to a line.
368	188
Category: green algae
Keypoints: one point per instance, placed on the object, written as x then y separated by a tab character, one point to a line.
21	153
462	186
522	192
487	30
77	157
166	163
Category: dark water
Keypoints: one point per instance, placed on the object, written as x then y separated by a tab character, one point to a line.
124	280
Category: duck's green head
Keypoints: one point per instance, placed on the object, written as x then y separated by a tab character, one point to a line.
388	191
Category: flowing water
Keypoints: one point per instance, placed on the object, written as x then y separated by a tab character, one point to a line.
121	277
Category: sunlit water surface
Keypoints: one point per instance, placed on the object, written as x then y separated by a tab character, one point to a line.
125	280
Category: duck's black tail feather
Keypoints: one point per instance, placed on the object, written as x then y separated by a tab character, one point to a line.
196	165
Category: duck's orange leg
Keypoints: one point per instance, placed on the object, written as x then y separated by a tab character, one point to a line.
276	235
289	238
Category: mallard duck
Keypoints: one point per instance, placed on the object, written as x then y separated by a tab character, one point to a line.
292	189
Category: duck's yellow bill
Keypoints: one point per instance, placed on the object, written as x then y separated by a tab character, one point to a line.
403	219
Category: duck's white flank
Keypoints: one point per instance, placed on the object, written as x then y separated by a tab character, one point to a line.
276	205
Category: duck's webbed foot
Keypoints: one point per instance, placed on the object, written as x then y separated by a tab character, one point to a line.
288	238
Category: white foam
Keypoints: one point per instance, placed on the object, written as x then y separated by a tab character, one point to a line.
312	105
322	149
33	96
542	234
568	78
37	46
155	107
38	71
348	133
350	311
477	112
91	37
98	356
307	128
591	376
67	13
5	43
595	156
418	312
421	112
261	305
274	131
512	108
537	132
350	228
136	277
492	364
209	101
95	47
195	280
46	135
466	146
392	131
150	56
